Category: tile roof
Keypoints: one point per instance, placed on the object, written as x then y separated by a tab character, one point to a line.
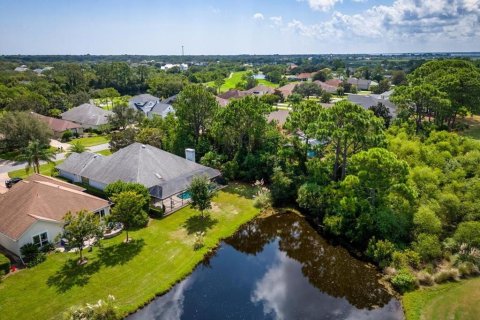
87	114
41	198
280	116
57	125
326	87
287	89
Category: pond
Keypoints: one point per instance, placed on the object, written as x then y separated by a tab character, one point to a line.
277	267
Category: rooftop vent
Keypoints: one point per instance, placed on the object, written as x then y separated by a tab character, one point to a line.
190	154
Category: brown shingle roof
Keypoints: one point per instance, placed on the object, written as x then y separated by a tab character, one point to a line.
287	89
334	82
326	87
57	125
304	75
41	198
232	94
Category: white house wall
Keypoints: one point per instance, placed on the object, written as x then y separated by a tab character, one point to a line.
97	185
70	176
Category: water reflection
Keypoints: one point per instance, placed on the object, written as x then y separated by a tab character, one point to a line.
277	268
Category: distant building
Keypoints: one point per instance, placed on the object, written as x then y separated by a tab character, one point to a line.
287	89
168	66
88	116
367	101
22	68
260	90
150	105
326	87
362	84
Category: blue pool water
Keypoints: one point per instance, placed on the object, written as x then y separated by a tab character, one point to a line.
184	195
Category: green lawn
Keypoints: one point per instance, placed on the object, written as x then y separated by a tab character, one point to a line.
231	82
456	300
105	152
474	127
109	103
92	141
12	155
160	255
45	169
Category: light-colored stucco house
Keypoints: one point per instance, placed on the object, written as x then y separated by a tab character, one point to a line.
88	116
33	209
165	175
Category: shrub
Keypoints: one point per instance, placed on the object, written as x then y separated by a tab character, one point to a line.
67	135
156	212
380	251
427	246
263	199
467	269
31	254
47	247
404	281
425	278
469	233
406	258
102	310
4	264
446	275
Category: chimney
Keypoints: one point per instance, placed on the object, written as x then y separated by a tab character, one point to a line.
190	154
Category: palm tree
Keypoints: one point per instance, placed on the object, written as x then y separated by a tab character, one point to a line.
76	147
34	153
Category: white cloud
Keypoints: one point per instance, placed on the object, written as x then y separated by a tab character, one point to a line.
258	16
404	19
277	21
322	5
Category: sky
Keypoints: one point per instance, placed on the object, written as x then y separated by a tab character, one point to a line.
238	26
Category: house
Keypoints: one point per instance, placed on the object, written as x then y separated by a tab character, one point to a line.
232	94
259	90
33	209
22	68
88	116
166	175
287	89
334	82
150	105
326	87
367	101
59	126
362	84
279	116
305	76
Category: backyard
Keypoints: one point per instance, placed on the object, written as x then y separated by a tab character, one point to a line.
92	141
455	300
159	256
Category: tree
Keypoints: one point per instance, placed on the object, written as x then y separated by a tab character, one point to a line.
249	81
122	139
326	97
381	111
124	116
459	80
469	233
417	102
307	89
151	136
19	128
201	193
34	153
195	108
427	246
117	187
219	83
282	187
129	210
81	227
76	147
347	129
399	78
382	87
300	119
274	76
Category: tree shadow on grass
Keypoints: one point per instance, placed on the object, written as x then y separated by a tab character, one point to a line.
198	223
71	274
120	253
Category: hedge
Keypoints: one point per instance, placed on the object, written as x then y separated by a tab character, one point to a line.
4	264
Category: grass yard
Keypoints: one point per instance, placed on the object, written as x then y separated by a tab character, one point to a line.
456	300
92	141
105	152
160	255
109	103
45	169
236	77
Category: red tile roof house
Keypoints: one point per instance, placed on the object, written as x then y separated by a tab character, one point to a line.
334	82
304	76
287	89
33	209
59	126
326	87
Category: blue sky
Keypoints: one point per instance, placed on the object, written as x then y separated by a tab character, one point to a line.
237	26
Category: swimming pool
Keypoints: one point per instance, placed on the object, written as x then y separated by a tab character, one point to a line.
184	195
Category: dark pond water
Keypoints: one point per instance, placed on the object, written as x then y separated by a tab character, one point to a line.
277	268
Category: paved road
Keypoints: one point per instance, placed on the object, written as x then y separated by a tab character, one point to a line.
7	165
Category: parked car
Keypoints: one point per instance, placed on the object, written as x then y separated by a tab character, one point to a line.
11	182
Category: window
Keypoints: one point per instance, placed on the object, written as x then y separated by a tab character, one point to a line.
101	213
40	239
